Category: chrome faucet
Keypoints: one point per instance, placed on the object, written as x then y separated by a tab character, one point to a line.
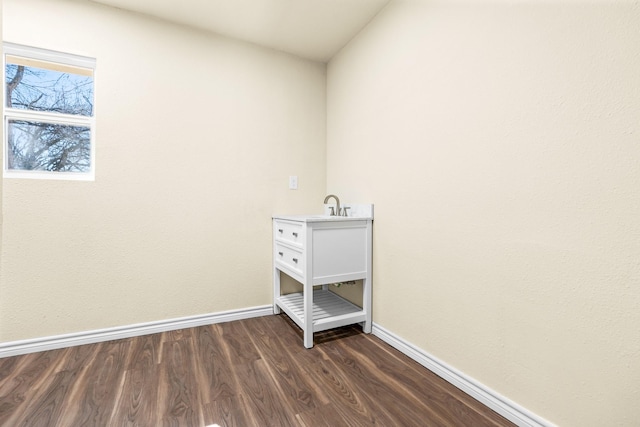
337	210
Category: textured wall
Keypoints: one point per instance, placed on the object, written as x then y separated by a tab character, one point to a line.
500	143
1	154
196	138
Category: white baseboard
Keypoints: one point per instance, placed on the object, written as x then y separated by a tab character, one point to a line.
500	404
15	348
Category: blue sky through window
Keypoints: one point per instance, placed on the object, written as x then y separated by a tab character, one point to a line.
41	89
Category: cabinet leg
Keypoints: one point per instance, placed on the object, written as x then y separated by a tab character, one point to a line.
276	290
308	316
366	303
308	339
366	327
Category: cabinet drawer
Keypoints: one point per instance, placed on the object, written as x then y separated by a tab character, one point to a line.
288	232
290	257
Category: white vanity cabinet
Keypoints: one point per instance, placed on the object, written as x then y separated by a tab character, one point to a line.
321	250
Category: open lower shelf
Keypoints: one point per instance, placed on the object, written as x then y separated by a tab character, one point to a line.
329	310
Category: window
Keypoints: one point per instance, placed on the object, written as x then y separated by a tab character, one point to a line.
48	114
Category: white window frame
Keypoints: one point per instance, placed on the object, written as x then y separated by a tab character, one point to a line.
40	116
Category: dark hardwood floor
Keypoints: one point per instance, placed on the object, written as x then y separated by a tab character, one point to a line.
252	372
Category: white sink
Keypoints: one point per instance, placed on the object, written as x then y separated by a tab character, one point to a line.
355	212
318	218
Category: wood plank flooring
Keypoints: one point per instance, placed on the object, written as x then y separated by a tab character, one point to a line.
252	372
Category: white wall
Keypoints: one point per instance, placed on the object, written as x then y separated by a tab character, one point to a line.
196	138
1	153
500	143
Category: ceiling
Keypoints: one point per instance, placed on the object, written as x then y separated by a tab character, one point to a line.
313	29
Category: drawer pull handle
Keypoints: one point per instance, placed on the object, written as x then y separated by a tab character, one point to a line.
295	234
279	230
280	253
295	260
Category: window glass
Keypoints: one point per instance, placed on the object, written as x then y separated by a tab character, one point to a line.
42	89
41	146
48	113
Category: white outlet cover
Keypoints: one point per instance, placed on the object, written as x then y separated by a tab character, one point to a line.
293	182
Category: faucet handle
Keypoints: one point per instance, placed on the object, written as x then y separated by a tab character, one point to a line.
344	210
333	211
